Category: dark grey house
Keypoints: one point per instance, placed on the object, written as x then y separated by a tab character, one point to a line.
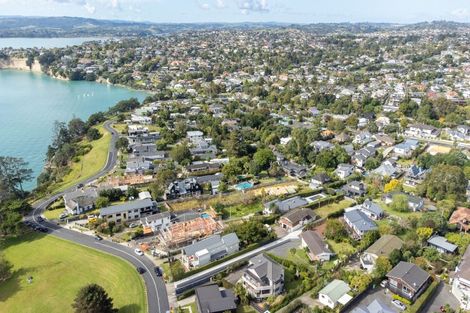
408	280
209	299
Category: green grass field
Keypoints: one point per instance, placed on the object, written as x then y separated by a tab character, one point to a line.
59	269
333	207
341	248
89	164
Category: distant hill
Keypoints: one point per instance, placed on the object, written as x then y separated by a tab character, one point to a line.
22	26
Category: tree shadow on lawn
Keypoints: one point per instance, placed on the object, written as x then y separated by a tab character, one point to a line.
27	237
11	286
130	308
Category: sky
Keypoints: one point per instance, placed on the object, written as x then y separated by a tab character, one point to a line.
232	11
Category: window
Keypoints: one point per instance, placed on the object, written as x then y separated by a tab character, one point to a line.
118	214
393	282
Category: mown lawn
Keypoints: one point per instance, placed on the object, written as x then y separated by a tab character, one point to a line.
300	256
59	269
191	308
341	248
90	163
243	210
53	214
333	207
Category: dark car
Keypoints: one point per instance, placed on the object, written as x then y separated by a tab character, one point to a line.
140	270
158	271
98	237
39	219
43	229
79	186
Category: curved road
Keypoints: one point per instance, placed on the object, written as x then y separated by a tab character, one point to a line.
157	298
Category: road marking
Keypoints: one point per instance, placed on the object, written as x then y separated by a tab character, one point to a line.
140	261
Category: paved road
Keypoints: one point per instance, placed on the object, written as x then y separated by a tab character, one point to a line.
157	298
201	277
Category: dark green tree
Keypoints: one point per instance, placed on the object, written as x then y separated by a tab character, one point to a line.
93	299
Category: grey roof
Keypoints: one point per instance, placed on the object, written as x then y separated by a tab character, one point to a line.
375	306
411	274
213	244
155	217
288	204
210	299
385	245
127	206
361	221
463	269
442	243
295	216
372	207
266	269
315	243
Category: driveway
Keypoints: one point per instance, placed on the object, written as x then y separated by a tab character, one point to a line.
282	251
379	293
442	296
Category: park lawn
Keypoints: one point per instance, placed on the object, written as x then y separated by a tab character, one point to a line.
90	163
341	248
391	212
59	269
333	207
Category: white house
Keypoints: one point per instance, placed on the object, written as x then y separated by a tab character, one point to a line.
157	221
335	293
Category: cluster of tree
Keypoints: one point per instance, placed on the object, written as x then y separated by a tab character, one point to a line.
444	182
249	232
93	298
5	269
13	174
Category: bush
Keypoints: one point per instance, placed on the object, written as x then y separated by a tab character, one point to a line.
423	299
401	299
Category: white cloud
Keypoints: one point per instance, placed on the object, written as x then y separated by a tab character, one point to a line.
461	13
247	6
220	4
90	8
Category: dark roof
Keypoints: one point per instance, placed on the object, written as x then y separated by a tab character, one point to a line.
315	244
127	206
296	216
265	269
210	299
411	274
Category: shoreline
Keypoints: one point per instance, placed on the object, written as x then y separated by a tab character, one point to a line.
19	64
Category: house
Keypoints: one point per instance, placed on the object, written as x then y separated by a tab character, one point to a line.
317	248
335	293
354	189
319	180
375	306
284	206
361	156
406	148
138	166
295	219
128	211
422	131
408	280
144	138
382	247
442	245
461	281
414	176
414	203
292	169
359	223
385	140
344	170
461	218
195	136
157	221
388	168
80	200
197	167
263	278
182	188
209	249
363	138
209	299
371	209
322	145
460	133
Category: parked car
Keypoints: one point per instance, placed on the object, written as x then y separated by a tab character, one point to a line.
39	219
79	186
158	271
140	270
133	225
399	304
383	283
98	237
138	252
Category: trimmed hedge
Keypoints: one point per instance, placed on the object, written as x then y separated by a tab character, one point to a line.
423	299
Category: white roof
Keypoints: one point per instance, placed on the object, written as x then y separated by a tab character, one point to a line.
345	299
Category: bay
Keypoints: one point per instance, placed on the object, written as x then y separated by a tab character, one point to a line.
31	102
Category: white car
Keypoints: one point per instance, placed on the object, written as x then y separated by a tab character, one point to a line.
399	304
384	283
138	252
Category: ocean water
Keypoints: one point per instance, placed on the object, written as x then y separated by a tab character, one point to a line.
31	102
43	42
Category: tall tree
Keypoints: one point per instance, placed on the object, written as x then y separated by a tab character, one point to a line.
93	299
13	173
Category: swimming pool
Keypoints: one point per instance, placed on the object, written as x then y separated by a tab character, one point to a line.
205	215
244	185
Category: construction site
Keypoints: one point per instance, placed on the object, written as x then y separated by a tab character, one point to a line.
183	233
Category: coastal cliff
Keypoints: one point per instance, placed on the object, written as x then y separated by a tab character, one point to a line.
19	64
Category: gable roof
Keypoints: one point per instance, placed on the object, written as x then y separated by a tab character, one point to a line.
127	206
360	220
296	216
315	243
264	269
411	274
385	245
442	243
212	300
335	290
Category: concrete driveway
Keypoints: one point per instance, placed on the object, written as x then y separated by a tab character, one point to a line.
442	297
379	293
